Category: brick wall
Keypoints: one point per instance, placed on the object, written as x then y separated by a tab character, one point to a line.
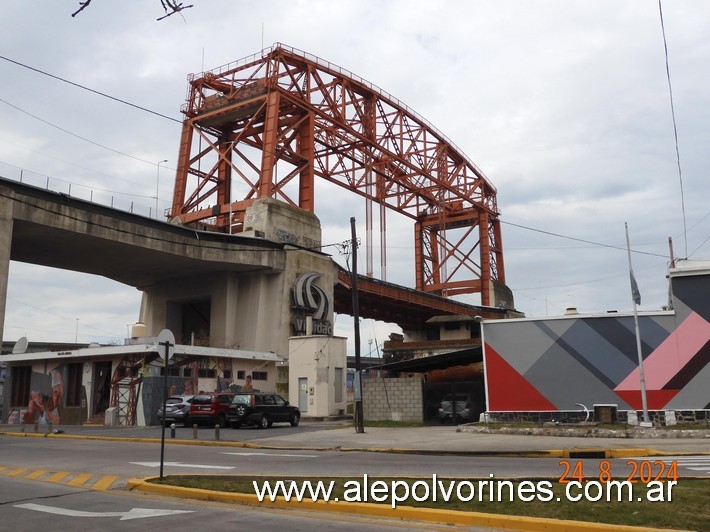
393	399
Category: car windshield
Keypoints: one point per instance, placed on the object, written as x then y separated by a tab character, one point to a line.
202	400
241	399
458	398
174	400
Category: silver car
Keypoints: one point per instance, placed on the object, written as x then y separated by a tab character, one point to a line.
176	411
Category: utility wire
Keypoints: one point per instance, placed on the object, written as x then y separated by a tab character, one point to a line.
675	129
152	163
582	240
63	317
91	90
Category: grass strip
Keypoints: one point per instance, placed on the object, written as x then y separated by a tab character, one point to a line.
688	510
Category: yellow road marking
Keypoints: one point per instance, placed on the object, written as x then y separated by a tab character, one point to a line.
104	483
16	472
80	479
36	473
57	477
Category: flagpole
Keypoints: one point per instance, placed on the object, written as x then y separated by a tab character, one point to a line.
636	298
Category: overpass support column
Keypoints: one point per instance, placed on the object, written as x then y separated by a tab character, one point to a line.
5	245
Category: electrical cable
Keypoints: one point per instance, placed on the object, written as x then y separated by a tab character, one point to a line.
91	90
75	135
611	246
675	129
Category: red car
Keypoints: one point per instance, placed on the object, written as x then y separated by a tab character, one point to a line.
210	408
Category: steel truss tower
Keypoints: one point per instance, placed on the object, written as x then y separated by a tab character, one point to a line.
268	125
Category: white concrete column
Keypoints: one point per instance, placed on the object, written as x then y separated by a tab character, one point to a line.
6	225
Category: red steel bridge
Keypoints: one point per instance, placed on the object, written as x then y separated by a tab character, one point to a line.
276	123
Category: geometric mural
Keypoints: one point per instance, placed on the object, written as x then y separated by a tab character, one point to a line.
558	363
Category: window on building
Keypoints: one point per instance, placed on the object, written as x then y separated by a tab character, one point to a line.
172	371
338	383
259	375
20	393
187	372
204	373
241	374
227	373
72	390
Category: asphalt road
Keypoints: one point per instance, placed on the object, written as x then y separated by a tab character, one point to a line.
135	459
31	505
142	459
34	504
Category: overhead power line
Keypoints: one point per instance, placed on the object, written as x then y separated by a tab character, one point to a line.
74	134
583	240
91	90
675	129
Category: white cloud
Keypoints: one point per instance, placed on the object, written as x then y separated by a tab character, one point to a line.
563	104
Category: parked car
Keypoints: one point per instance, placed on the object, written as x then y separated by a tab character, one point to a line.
464	405
177	410
210	407
262	410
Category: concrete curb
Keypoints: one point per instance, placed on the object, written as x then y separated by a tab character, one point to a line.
548	453
407	513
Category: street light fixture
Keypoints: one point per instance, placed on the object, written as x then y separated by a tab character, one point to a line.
157	188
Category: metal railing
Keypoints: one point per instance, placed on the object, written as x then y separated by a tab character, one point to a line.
133	203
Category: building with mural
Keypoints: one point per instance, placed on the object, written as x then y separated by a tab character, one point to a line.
237	305
573	362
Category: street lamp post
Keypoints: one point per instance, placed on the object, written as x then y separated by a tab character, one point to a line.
157	189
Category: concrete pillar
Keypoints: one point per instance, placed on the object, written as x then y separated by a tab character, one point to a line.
6	224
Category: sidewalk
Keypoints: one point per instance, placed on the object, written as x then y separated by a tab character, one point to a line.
430	439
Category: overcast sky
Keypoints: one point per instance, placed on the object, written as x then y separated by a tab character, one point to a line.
563	104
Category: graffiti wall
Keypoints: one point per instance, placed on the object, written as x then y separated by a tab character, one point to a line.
44	398
560	363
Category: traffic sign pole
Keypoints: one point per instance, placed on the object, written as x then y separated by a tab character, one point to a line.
166	339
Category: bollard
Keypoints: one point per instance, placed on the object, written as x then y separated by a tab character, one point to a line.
216	432
23	427
172	431
194	431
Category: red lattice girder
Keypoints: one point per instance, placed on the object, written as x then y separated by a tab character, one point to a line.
270	124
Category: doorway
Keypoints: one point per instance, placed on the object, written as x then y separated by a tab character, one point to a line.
303	394
102	386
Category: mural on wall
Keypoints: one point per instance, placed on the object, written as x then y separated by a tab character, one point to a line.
558	364
45	400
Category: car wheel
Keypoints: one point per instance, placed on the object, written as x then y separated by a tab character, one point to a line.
241	410
264	422
295	419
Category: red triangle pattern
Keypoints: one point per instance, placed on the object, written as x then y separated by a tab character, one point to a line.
508	389
655	399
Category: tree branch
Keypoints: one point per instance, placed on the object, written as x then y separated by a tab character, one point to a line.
83	5
171	7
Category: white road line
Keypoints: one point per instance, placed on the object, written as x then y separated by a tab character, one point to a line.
180	464
275	454
133	513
